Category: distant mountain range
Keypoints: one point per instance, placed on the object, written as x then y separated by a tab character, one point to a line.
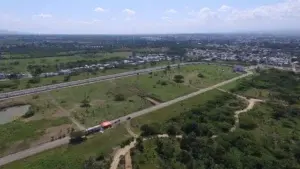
7	32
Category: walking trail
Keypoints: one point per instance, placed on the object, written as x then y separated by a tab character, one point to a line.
251	104
74	121
126	149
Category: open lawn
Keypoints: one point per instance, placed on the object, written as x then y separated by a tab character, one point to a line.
73	156
20	65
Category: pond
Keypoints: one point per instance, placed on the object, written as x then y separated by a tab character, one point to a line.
12	113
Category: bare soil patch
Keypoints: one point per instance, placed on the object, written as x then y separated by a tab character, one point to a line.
53	133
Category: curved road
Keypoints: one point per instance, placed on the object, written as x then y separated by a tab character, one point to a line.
57	143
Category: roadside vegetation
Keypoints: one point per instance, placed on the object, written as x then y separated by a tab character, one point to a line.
19	135
48	64
17	84
92	153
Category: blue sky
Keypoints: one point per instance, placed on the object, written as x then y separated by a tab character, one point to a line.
148	16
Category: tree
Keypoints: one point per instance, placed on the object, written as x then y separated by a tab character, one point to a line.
173	130
178	78
90	163
200	75
29	113
67	78
54	81
34	80
86	101
247	123
119	97
152	129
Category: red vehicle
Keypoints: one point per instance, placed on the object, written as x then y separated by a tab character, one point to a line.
106	124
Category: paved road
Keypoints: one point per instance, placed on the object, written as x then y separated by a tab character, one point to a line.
18	93
47	146
32	151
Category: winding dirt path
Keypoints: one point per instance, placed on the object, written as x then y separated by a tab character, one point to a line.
126	150
251	103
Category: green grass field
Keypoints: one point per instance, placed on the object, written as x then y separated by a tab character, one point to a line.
101	96
8	65
72	156
23	83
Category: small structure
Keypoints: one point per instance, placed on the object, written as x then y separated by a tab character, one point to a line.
238	68
94	129
106	124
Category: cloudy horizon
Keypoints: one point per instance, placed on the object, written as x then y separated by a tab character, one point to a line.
148	16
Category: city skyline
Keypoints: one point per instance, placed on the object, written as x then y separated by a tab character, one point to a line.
148	17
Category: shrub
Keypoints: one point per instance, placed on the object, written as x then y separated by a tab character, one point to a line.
247	123
178	79
200	75
148	130
34	80
54	81
127	142
119	97
29	113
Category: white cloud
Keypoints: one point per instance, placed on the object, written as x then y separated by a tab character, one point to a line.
171	11
42	15
276	16
224	8
99	9
129	11
166	18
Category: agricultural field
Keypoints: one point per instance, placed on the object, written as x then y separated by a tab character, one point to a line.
75	156
20	65
93	103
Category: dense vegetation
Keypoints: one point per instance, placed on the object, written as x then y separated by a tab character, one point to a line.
268	136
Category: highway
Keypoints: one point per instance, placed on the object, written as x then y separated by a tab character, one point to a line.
18	93
57	143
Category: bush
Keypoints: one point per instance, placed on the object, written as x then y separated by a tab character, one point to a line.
29	113
148	130
247	123
178	79
67	78
54	81
119	97
127	142
200	75
34	80
162	82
